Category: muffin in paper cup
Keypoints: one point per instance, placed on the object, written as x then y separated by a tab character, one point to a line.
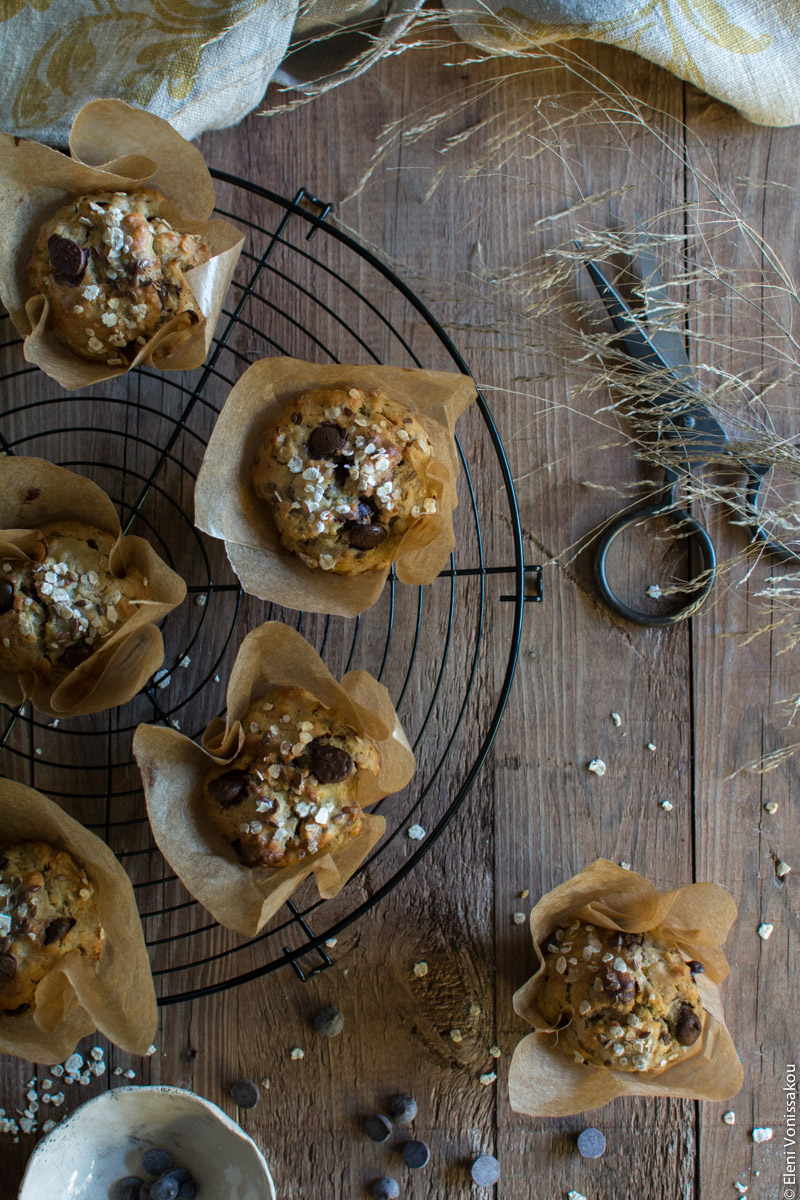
227	507
114	148
175	771
35	493
546	1082
113	993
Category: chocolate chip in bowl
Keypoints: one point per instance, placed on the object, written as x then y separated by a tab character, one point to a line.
99	1147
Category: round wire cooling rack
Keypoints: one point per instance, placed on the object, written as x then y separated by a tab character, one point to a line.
446	652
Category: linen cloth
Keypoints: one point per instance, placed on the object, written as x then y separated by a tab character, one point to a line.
204	64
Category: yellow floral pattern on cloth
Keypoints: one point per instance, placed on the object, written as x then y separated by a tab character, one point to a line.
703	41
204	64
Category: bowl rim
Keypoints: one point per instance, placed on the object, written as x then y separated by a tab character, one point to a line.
165	1089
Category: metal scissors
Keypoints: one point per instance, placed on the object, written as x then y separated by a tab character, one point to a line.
687	425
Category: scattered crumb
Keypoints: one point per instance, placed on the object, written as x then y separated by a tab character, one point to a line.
420	970
54	724
129	1074
666	805
782	868
729	1117
740	1187
495	1051
416	833
38	750
654	591
264	1083
765	931
487	1078
518	918
184	661
651	746
617	719
597	766
297	1053
456	1036
200	600
150	1050
216	679
474	1010
525	893
331	942
771	807
626	866
575	1196
762	1133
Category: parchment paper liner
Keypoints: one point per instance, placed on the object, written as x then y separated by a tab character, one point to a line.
113	994
545	1082
227	507
114	147
173	768
33	492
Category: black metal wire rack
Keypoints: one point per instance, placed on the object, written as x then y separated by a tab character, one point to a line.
446	652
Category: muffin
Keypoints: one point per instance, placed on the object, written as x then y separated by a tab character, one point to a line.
56	612
621	1000
291	792
344	472
113	271
47	910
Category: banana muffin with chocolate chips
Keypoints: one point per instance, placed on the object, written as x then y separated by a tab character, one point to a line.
113	271
344	472
56	612
47	910
621	1000
292	791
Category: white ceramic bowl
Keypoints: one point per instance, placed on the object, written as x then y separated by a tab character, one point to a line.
104	1140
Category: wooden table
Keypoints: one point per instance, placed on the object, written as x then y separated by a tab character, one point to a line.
706	701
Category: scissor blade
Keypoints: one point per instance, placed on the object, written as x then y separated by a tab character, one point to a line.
701	435
667	340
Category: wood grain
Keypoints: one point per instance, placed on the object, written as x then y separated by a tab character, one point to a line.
535	815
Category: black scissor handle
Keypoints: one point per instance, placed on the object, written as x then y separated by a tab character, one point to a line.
694	531
756	474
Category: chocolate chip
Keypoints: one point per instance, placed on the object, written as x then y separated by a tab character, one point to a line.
6	595
688	1026
58	928
619	987
329	763
485	1170
366	537
8	967
326	440
76	654
67	258
695	967
165	1188
245	1093
377	1128
92	544
128	1188
416	1155
229	788
156	1161
329	1022
591	1143
385	1188
402	1109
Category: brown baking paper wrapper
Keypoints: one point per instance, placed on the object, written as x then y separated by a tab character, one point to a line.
227	507
114	147
545	1082
173	770
113	994
34	492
